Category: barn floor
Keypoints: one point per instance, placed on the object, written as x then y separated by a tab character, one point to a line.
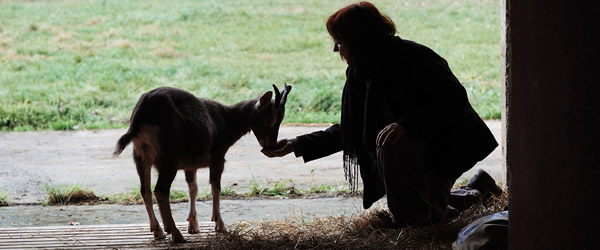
117	236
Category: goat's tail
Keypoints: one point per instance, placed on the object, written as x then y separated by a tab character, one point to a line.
123	142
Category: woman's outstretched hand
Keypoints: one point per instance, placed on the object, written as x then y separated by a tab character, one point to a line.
390	135
284	147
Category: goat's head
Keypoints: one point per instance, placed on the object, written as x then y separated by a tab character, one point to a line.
269	112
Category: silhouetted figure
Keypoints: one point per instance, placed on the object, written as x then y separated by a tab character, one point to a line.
406	123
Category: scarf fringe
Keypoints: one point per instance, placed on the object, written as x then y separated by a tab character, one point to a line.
351	172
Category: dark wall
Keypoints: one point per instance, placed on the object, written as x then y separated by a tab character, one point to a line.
553	124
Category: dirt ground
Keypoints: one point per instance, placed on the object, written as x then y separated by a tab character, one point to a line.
29	160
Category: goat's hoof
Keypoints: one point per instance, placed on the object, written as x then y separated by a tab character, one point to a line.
158	234
220	227
177	237
193	228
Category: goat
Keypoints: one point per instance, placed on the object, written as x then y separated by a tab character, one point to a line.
171	129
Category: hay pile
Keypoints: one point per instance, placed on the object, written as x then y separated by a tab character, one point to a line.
367	230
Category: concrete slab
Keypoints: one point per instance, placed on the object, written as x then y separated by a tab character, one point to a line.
29	160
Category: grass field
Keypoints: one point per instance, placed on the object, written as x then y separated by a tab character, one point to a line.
73	64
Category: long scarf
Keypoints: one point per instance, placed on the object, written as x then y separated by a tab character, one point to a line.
354	122
353	103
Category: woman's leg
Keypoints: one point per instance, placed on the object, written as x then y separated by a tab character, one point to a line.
404	168
414	194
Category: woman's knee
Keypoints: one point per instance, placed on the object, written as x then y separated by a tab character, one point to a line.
384	153
400	148
405	152
391	155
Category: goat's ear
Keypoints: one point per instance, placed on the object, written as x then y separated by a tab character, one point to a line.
264	100
277	95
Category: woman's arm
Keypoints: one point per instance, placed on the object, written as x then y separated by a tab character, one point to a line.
310	146
319	143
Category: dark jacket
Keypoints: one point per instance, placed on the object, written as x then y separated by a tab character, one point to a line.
412	85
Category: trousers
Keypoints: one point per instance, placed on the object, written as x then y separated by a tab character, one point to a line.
415	195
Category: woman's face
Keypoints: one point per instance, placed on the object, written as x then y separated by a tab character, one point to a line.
343	50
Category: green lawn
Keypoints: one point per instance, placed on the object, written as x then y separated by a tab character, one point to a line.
83	64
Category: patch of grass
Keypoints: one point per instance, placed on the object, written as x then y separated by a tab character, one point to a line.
207	194
3	199
178	195
68	194
371	229
341	189
68	65
75	194
282	188
227	192
485	99
286	188
133	196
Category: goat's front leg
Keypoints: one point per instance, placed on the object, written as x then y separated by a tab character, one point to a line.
143	169
161	191
216	169
190	178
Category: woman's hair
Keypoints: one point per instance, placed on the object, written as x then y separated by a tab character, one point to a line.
359	25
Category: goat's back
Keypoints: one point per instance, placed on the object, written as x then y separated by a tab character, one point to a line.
186	124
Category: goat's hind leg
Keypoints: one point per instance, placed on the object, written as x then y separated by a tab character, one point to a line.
166	175
216	170
190	178
143	169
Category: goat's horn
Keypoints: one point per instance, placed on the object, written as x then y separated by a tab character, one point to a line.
286	90
277	95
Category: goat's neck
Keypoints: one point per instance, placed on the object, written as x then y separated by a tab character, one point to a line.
238	118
